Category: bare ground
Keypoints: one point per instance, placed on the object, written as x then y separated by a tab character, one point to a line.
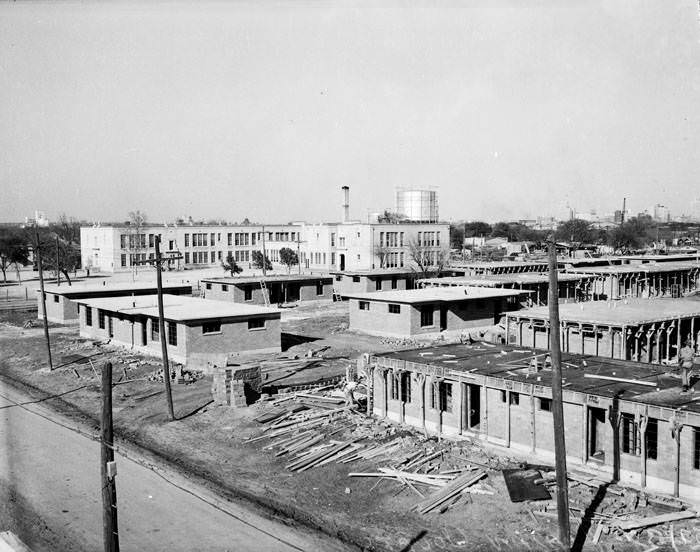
208	443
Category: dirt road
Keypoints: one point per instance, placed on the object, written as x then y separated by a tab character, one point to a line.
50	496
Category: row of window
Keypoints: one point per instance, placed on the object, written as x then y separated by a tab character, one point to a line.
430	239
393	239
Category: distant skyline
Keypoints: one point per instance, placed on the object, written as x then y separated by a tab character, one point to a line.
265	109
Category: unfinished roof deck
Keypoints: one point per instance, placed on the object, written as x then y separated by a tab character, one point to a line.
437	294
501	267
177	308
495	280
643	330
633	268
623	421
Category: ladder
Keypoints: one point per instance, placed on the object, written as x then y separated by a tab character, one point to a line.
336	295
265	292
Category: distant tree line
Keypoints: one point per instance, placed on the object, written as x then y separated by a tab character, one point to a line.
634	233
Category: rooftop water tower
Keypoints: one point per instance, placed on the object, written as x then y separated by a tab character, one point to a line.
417	205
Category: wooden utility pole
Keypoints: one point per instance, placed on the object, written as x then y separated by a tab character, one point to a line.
158	264
37	252
557	403
108	469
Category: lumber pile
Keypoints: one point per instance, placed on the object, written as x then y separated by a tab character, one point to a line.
450	494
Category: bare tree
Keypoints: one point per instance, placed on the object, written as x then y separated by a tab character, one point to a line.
429	260
381	251
137	239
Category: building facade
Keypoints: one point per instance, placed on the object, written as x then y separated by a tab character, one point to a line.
324	247
278	289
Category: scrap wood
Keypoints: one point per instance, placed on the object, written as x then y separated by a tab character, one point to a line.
621	380
655	520
446	494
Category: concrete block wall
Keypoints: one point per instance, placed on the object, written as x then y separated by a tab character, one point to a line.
236	292
235	337
58	309
378	320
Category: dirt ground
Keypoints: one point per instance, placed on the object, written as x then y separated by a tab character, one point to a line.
209	442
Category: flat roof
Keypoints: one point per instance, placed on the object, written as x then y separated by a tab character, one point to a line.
78	290
490	280
376	272
436	294
177	307
630	268
510	363
236	280
630	312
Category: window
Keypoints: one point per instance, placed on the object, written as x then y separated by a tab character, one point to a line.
172	334
248	293
187	240
123	241
123	259
545	404
218	254
56	299
211	238
101	319
224	287
256	323
155	330
394	308
406	387
88	316
426	316
356	279
393	283
630	436
378	284
514	398
319	288
364	305
444	391
211	327
208	285
187	257
338	278
394	388
652	439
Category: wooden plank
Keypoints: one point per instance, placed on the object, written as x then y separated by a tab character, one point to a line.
621	380
656	520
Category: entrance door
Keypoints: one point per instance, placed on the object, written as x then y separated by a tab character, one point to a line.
471	406
342	261
596	433
443	318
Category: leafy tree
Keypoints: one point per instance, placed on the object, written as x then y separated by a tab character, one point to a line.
575	230
288	257
501	230
477	229
63	257
456	236
390	217
634	233
14	250
259	260
230	265
67	228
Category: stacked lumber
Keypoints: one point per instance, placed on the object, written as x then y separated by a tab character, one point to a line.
449	494
404	477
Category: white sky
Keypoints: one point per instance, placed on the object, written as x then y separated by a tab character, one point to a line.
265	109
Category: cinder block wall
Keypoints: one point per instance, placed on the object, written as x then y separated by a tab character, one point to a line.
379	321
235	337
58	308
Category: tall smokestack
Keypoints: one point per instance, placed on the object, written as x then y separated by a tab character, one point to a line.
346	203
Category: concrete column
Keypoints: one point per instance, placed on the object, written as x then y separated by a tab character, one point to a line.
507	436
643	421
595	339
584	431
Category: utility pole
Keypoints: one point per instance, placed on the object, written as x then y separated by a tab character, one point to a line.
37	252
58	271
158	264
298	254
108	467
557	402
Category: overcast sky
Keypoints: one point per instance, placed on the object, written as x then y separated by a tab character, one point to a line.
265	109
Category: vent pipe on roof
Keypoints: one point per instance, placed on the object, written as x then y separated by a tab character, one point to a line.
346	203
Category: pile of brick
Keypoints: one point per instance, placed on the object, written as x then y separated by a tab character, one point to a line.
236	386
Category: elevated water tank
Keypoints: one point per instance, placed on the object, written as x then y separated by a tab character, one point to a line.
417	205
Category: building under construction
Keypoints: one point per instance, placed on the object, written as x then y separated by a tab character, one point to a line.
643	330
622	420
499	267
571	286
